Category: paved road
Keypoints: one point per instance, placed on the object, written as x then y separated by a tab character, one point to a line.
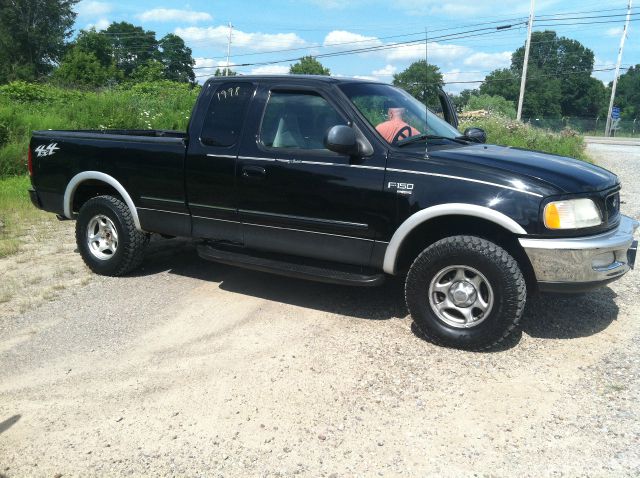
196	369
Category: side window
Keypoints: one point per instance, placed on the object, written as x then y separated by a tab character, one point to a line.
297	120
225	115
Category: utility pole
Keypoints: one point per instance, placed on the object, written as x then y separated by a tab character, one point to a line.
607	129
226	71
523	80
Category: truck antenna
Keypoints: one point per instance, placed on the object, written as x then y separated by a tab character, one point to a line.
426	90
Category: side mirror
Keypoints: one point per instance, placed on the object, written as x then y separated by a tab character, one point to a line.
342	139
476	134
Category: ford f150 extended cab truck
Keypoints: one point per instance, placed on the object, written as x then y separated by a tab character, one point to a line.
345	181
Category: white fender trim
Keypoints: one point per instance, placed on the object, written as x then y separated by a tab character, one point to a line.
105	178
457	209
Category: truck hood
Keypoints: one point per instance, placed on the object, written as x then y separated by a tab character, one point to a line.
566	174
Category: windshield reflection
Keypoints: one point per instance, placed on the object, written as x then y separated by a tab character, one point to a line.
394	113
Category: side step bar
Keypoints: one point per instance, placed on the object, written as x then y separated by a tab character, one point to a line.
291	266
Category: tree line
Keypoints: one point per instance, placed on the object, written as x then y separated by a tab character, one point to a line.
559	83
35	45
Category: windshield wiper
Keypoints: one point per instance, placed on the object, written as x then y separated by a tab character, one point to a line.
421	137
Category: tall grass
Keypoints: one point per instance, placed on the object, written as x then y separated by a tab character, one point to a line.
504	131
25	108
16	212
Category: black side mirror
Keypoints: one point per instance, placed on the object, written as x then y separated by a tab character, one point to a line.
342	139
476	134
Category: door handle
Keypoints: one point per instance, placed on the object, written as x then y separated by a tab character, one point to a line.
253	172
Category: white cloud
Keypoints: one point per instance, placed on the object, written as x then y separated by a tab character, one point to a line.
614	32
270	70
457	75
251	41
365	77
93	9
172	14
338	37
206	67
385	72
101	24
489	61
437	52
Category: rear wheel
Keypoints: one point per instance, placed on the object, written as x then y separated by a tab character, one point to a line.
107	238
465	292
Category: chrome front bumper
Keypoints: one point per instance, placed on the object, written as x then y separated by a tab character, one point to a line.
583	262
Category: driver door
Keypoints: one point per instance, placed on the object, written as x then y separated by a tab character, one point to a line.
295	196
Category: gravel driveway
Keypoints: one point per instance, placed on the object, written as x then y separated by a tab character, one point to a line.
197	369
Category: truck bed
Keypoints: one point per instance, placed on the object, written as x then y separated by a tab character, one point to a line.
114	134
148	164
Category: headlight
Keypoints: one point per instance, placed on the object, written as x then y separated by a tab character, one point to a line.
571	214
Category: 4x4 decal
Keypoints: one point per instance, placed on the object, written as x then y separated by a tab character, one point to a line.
48	150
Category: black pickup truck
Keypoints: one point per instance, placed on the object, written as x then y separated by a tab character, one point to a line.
344	181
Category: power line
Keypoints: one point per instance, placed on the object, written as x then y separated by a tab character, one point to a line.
371	49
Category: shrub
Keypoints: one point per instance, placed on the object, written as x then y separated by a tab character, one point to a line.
508	132
25	107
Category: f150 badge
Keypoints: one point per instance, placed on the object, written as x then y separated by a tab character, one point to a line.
401	188
48	150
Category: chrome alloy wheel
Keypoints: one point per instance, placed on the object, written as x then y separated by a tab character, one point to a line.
460	296
102	237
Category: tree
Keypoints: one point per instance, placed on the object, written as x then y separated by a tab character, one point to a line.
91	41
132	46
32	36
559	79
628	93
460	100
224	72
504	82
422	81
308	65
152	70
176	58
83	69
495	104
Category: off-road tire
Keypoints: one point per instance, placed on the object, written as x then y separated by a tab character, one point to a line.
131	242
500	269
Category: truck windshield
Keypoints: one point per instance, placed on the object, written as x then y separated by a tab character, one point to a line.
392	112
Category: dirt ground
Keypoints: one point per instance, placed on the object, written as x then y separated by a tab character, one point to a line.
188	368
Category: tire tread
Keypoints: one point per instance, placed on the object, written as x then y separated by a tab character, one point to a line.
453	244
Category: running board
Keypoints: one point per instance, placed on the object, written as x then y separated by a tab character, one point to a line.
291	266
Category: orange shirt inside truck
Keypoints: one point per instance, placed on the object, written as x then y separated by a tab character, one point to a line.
389	129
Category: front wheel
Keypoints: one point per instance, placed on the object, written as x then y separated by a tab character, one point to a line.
465	292
107	238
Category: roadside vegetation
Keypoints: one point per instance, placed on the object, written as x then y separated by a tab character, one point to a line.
25	107
16	212
505	131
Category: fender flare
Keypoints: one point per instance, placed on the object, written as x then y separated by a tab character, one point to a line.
452	209
79	178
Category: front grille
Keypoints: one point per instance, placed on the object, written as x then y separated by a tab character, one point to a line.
612	205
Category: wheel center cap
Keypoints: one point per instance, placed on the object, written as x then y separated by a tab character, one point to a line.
462	293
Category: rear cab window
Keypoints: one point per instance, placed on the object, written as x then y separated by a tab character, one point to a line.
225	114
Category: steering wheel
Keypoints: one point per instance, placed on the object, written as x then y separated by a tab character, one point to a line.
403	133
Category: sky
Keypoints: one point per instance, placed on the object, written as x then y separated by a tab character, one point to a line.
464	42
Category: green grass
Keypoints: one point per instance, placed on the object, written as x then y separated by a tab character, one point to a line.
25	108
16	213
